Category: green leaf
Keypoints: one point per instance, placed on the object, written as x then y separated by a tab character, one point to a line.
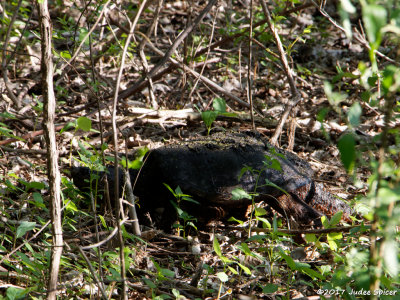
259	211
136	164
141	152
7	115
25	227
189	199
37	197
217	250
176	293
390	257
178	191
275	223
222	276
33	185
191	224
325	221
82	34
149	283
14	293
345	9
104	146
388	195
233	219
273	163
391	79
84	123
67	126
228	114
325	269
312	273
270	183
347	150
170	189
103	221
37	185
310	237
354	114
233	270
217	247
244	268
348	6
167	273
239	193
322	114
209	117
219	105
265	222
245	248
65	54
270	288
334	236
333	245
69	205
374	19
321	117
336	218
244	170
288	260
334	98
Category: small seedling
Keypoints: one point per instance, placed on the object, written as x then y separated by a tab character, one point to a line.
209	116
181	214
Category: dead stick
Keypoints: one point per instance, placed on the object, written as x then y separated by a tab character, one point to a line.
296	96
28	136
170	51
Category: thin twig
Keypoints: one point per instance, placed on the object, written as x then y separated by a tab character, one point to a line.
296	96
249	78
4	62
92	200
115	141
357	36
27	242
89	264
170	51
242	32
85	37
205	80
196	82
144	59
109	237
27	136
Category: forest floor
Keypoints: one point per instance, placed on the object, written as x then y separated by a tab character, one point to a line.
222	261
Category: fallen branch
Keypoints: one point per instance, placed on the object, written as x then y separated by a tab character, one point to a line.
28	136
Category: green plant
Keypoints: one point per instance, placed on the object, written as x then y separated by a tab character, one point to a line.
162	274
374	268
240	193
228	262
181	214
4	128
209	116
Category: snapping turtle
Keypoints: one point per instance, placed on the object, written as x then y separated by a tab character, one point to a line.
210	168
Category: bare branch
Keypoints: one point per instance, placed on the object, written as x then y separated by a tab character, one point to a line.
296	96
49	102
